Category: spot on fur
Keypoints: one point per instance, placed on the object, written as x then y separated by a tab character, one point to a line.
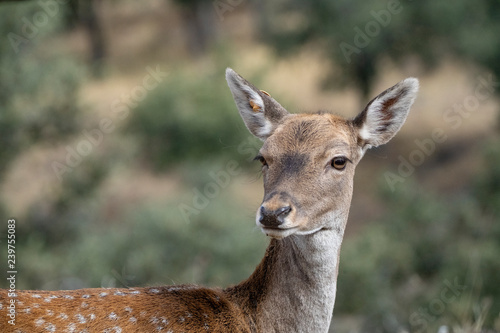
71	327
50	327
81	319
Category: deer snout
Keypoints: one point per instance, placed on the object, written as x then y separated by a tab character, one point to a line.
273	218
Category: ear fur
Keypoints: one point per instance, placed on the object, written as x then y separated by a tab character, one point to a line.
260	112
385	114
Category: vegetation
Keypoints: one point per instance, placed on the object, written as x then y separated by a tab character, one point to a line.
37	90
427	264
190	119
356	36
152	245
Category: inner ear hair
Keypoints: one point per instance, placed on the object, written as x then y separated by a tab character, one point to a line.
385	114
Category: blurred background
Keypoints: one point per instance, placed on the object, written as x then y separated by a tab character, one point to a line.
125	163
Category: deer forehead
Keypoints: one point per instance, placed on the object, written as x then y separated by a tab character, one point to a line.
310	135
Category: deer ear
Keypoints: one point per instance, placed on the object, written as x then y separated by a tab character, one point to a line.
385	114
260	112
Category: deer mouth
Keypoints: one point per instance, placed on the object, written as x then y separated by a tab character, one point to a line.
276	232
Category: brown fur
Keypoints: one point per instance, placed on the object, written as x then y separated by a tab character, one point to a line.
155	309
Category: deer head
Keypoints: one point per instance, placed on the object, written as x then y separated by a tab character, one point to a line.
308	160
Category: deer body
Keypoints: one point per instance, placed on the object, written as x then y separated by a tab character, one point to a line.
308	163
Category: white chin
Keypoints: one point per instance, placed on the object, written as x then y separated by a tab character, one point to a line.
282	233
308	232
278	233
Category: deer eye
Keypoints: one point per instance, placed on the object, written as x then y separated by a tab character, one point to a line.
261	159
339	162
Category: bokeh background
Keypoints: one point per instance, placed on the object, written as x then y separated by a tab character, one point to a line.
125	163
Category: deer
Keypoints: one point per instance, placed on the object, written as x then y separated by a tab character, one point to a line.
308	162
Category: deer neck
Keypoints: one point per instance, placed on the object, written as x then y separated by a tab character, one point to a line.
293	288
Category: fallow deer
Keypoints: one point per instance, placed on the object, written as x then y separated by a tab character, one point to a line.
308	163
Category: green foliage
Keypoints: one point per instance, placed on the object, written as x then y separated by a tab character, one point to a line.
189	118
152	245
488	184
39	106
356	35
38	91
58	220
398	269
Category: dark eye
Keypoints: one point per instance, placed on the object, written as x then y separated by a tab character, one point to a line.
261	159
339	162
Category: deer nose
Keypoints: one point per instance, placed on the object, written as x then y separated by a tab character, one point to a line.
273	218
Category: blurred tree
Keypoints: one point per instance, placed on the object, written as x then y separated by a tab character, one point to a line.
190	119
73	13
199	23
85	13
39	106
356	35
37	90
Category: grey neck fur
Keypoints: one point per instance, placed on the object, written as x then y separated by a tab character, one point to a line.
302	294
293	288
